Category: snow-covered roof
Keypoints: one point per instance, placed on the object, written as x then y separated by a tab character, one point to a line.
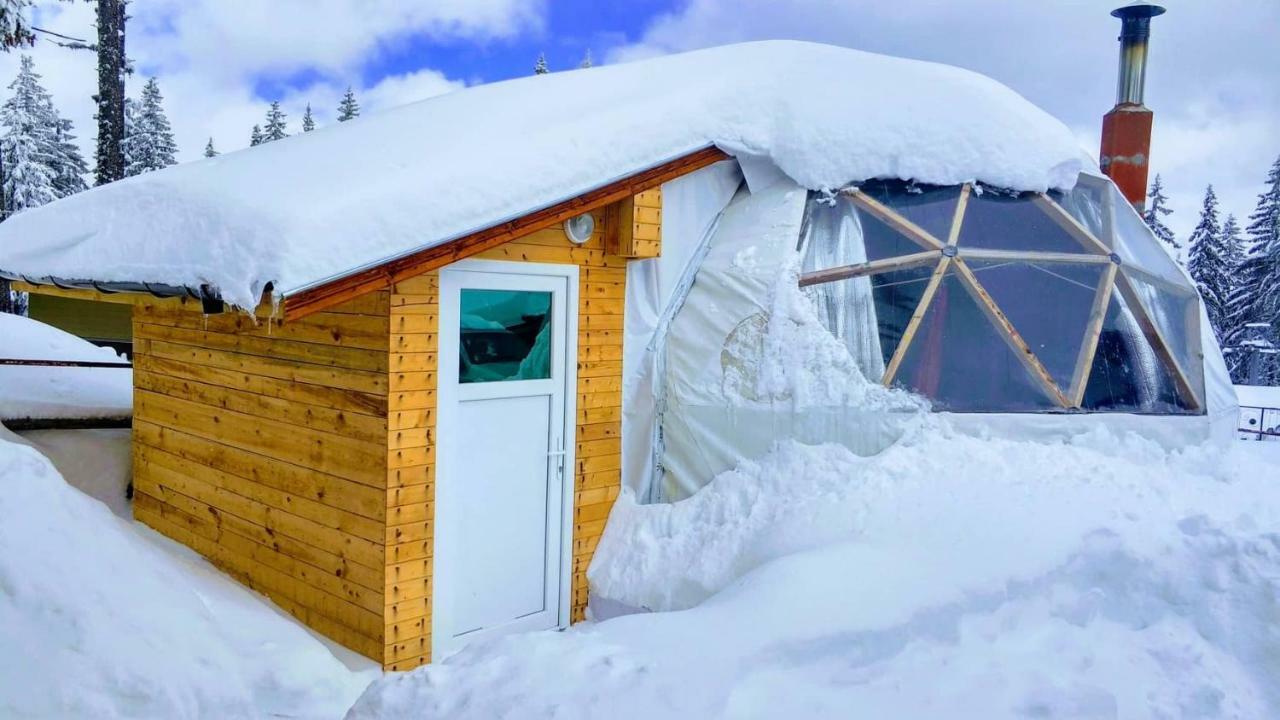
51	393
310	208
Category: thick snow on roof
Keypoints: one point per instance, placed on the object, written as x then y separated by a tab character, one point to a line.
45	393
302	210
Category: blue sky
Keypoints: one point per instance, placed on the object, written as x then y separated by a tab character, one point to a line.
572	27
219	62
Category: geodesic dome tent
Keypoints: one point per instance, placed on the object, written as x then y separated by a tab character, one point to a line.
1023	313
989	301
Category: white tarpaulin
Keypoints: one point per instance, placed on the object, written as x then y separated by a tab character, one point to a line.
690	207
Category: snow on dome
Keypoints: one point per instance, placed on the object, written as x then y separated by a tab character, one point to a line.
312	207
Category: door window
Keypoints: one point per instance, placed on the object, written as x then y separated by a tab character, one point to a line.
505	335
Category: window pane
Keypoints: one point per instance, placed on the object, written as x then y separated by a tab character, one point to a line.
1178	318
1087	204
998	221
505	335
1048	304
879	240
1127	375
963	364
897	294
929	206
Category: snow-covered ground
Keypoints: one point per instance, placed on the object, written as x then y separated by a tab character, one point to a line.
58	392
948	577
102	618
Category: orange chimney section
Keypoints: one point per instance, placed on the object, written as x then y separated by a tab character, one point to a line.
1126	130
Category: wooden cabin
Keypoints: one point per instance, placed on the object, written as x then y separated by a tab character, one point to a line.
412	456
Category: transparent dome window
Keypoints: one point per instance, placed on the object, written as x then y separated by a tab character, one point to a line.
989	301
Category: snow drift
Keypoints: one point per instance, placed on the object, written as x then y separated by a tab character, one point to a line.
96	621
949	576
287	212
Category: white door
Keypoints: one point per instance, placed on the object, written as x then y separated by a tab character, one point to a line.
504	441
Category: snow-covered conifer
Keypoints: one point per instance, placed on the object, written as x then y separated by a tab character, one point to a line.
308	122
69	166
1156	211
255	137
28	143
15	28
276	128
1209	262
209	151
348	108
586	60
540	67
1255	301
148	142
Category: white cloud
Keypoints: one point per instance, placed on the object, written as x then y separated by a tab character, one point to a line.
210	54
1212	78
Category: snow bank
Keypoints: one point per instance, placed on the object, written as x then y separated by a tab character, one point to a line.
96	621
301	210
949	576
58	392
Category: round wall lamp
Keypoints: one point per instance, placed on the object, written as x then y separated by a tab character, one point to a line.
579	228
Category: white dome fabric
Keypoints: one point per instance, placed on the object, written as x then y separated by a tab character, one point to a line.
1051	314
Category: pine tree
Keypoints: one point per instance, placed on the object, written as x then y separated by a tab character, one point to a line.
348	108
209	152
28	143
69	167
255	138
275	129
148	142
308	122
587	62
28	156
1257	297
540	67
15	28
1155	213
1209	263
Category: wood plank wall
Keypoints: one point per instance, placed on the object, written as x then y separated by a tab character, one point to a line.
299	457
264	448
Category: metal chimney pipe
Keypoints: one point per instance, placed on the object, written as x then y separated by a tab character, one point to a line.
1135	30
1126	130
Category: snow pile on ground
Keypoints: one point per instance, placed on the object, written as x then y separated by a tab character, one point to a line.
97	620
285	212
58	392
949	576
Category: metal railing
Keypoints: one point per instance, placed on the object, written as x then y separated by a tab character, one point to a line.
1263	426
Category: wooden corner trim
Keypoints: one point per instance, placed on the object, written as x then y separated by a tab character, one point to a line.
358	283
